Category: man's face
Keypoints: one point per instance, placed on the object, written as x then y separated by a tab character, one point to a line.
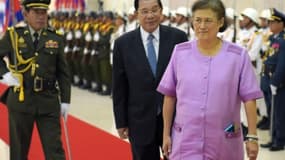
276	26
149	13
36	18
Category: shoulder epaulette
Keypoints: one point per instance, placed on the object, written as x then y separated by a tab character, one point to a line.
15	27
257	32
51	29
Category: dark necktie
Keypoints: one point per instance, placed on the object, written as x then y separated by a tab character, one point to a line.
151	53
36	39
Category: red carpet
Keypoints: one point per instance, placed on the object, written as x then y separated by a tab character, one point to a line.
87	142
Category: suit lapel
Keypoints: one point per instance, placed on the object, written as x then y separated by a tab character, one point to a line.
141	53
162	49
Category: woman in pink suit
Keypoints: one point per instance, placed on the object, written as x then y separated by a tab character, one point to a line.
204	85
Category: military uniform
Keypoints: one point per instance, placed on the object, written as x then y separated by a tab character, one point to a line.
274	81
43	85
104	71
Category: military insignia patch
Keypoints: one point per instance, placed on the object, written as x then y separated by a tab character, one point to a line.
51	44
21	42
270	51
26	32
275	46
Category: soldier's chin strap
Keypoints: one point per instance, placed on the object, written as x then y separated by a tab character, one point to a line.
19	61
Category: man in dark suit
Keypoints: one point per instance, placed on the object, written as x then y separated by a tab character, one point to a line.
274	69
38	80
139	60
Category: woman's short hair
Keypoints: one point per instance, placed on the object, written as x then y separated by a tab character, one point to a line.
216	6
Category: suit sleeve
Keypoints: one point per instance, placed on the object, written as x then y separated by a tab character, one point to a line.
183	38
278	77
63	75
120	87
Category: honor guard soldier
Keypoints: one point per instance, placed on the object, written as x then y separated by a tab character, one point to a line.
165	18
274	70
95	82
264	123
87	48
104	74
250	38
120	29
132	20
77	52
38	80
230	33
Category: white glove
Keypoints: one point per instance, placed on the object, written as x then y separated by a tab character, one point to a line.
10	80
64	107
273	89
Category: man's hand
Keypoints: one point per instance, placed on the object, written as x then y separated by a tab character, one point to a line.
10	80
123	133
273	89
64	107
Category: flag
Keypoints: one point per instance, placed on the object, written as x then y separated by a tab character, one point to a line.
82	5
2	15
13	13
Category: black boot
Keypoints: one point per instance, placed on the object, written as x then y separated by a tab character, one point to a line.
262	122
266	145
265	125
106	90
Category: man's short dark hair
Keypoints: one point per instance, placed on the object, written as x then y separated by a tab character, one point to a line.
136	3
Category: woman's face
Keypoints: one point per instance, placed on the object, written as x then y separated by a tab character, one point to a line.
206	24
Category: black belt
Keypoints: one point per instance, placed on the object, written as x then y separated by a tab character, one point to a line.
41	84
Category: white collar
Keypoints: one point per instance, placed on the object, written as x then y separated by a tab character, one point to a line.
144	34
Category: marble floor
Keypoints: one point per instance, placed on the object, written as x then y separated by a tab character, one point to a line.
97	110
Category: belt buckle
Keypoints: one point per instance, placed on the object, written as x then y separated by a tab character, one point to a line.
38	84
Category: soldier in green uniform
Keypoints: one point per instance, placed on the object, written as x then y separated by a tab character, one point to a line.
38	80
104	67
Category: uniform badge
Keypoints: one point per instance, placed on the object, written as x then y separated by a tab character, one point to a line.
21	42
275	47
26	32
51	44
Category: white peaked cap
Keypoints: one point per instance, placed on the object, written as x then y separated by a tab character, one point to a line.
182	11
132	10
251	13
265	14
230	13
166	11
120	14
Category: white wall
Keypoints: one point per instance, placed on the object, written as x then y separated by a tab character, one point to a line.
124	5
173	4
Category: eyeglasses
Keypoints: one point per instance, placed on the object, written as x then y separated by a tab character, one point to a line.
153	11
207	21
